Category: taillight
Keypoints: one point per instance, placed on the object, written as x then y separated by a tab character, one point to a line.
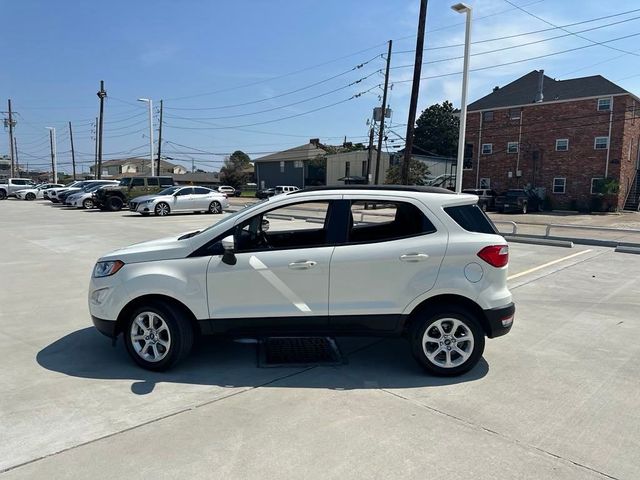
495	255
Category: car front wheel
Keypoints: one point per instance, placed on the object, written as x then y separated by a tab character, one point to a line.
158	336
87	203
447	342
30	196
114	204
162	209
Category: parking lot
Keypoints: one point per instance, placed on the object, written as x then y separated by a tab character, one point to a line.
556	398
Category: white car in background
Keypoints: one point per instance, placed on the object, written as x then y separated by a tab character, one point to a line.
84	198
227	190
36	192
180	199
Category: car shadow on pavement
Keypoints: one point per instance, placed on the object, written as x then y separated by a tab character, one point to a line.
371	364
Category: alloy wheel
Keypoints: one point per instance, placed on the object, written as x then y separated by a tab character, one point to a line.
150	337
448	343
215	207
162	209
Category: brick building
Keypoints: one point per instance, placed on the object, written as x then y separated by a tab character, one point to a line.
561	137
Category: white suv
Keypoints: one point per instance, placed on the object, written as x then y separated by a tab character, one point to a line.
357	260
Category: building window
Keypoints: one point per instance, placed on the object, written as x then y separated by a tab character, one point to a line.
597	185
601	143
485	183
364	168
281	167
562	144
487	116
487	148
604	104
559	184
298	164
514	114
347	169
512	147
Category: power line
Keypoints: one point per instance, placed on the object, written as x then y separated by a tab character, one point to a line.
507	37
572	33
265	99
511	47
521	60
295	72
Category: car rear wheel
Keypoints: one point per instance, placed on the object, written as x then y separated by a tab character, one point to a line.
87	203
30	196
3	194
448	341
114	204
162	209
158	336
215	207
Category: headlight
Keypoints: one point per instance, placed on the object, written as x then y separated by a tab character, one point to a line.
104	269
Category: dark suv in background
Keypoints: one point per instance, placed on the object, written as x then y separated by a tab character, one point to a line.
113	198
486	197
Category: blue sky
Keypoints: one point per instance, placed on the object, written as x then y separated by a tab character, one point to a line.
204	57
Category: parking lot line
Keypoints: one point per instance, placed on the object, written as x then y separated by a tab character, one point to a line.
548	264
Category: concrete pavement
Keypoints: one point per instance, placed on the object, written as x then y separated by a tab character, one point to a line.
556	398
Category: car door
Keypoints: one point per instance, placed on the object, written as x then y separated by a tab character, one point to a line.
201	198
182	199
280	278
392	254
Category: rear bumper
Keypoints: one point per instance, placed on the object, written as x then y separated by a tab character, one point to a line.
105	327
499	320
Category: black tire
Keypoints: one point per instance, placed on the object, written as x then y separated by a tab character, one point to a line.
524	207
162	209
114	204
87	203
144	214
180	334
3	194
427	320
215	207
30	196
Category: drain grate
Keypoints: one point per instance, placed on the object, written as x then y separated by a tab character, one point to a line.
298	352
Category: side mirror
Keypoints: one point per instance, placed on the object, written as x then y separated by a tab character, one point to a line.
265	225
228	244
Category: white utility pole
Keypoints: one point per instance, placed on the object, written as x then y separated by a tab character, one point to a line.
150	102
463	8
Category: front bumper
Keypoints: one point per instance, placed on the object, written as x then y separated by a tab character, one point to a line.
499	320
105	327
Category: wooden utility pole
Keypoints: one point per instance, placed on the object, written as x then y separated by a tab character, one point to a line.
11	140
101	95
53	157
369	155
73	153
95	162
384	111
415	91
159	141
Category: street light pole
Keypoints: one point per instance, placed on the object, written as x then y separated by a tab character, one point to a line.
463	8
150	102
54	151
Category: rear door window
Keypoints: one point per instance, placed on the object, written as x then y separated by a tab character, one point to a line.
166	181
471	218
137	182
201	190
374	221
153	181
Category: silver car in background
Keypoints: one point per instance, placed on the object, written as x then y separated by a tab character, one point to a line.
180	199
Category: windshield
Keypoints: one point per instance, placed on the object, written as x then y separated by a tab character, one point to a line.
169	191
93	187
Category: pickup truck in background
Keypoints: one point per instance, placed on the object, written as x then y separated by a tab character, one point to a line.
9	187
518	200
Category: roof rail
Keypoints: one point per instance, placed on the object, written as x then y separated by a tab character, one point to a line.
399	188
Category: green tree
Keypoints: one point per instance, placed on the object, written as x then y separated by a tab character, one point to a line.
437	130
236	169
418	172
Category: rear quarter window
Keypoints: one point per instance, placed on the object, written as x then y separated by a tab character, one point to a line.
471	218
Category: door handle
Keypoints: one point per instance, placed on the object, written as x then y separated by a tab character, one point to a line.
302	265
414	257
